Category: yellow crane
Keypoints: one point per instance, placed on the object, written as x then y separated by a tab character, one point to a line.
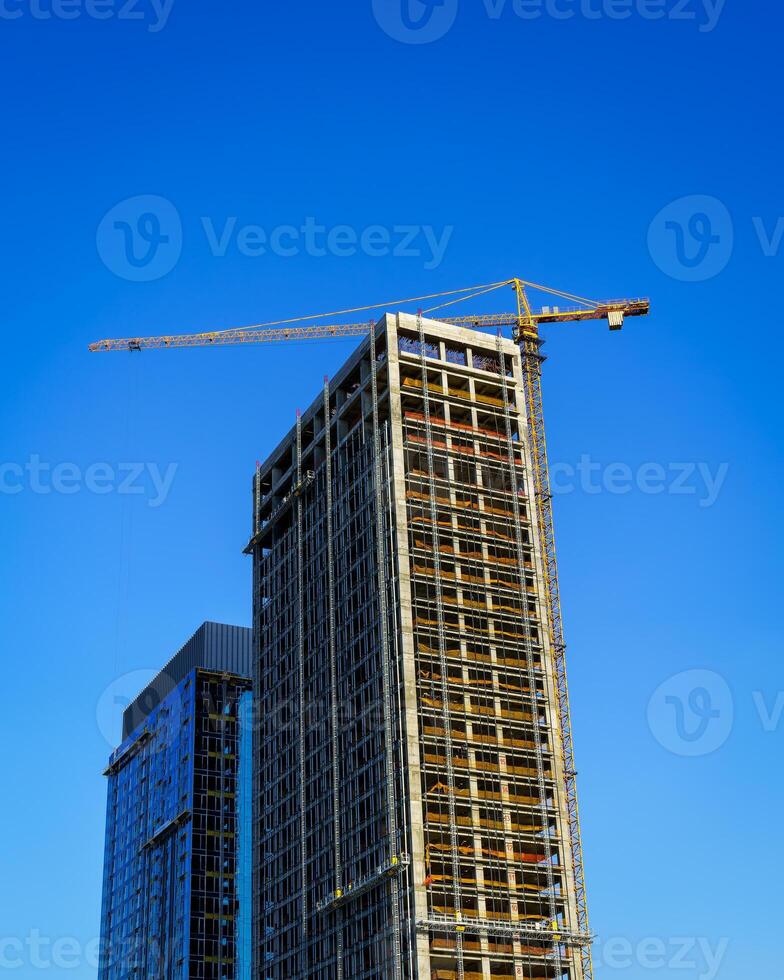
524	323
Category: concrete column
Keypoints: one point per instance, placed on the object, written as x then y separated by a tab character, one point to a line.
416	804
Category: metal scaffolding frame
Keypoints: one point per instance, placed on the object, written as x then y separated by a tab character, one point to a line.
446	718
333	683
538	742
298	487
322	545
386	674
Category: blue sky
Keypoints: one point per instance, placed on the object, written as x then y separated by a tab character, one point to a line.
564	142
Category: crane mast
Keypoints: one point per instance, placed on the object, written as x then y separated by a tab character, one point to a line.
530	342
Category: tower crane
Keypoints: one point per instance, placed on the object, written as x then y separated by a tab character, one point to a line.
524	323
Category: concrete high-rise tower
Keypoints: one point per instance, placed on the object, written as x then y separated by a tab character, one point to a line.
411	812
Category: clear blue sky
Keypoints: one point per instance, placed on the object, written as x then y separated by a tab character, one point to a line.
542	145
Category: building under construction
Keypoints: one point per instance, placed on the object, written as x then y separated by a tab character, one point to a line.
415	814
177	860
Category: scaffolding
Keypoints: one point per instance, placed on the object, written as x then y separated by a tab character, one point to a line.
322	542
423	766
333	685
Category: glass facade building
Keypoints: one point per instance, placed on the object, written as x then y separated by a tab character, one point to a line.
177	866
